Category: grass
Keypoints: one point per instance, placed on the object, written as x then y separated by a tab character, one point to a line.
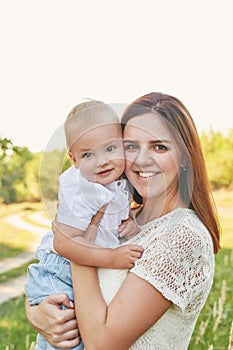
213	327
214	324
16	332
15	273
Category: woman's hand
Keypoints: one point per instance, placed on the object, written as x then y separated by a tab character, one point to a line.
59	327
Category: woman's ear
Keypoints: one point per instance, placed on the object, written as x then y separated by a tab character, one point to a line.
183	165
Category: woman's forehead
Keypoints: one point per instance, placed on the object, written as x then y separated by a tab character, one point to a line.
151	127
149	123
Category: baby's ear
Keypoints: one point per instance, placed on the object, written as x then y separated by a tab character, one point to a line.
72	157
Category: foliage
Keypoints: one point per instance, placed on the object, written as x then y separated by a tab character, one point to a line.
13	174
53	163
31	188
218	152
18	166
7	148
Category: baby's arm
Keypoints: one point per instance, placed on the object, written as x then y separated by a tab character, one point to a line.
128	228
76	234
83	252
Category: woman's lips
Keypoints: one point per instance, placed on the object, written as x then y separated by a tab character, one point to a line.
147	174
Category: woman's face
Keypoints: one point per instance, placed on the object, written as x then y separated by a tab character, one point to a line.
153	157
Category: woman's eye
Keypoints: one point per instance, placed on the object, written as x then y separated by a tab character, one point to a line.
160	148
110	148
130	147
87	155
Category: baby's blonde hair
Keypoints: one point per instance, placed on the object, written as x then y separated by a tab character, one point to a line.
87	115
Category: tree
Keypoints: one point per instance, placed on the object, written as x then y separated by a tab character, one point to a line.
218	153
12	170
53	163
7	148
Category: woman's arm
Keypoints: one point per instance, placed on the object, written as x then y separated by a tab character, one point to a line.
135	308
59	327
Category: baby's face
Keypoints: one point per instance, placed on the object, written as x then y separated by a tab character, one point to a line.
99	154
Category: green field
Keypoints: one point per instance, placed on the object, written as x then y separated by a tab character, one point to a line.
214	324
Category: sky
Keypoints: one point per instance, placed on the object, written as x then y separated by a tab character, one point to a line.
55	53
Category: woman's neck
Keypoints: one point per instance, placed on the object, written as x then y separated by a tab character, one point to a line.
152	210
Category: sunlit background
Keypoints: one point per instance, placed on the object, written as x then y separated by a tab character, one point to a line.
54	53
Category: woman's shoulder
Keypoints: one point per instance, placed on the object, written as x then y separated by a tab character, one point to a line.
179	227
185	228
186	220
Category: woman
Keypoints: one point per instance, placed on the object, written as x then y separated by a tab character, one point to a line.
154	305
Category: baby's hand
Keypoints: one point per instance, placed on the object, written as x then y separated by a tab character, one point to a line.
126	255
128	228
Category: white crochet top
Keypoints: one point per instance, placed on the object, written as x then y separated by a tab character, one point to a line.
178	260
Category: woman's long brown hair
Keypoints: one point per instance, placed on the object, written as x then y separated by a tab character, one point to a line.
194	185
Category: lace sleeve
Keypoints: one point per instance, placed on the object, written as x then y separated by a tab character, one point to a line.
179	263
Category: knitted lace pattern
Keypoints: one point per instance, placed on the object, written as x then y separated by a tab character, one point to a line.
178	260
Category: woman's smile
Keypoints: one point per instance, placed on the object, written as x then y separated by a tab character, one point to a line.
148	174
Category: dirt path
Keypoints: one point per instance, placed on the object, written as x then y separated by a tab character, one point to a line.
16	220
15	287
12	288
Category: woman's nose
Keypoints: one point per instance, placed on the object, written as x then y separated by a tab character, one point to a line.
144	157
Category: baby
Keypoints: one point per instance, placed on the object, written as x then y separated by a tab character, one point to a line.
91	191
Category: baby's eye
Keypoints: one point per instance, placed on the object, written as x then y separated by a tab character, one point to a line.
87	155
110	148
